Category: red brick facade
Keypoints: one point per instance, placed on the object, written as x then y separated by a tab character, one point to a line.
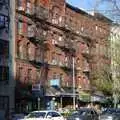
49	33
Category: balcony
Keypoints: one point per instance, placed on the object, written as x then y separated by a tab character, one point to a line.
21	9
29	12
66	47
66	67
86	69
41	13
35	35
68	26
36	62
85	51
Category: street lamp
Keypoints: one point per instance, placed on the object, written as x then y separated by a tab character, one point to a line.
74	95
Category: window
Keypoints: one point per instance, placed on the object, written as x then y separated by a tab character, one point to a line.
4	102
20	27
2	21
56	18
61	78
4	48
96	27
53	114
20	3
4	73
28	51
54	75
78	61
39	55
28	7
29	74
44	2
66	61
19	50
54	59
19	73
38	74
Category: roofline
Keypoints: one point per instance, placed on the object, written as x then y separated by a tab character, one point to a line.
102	17
76	9
97	16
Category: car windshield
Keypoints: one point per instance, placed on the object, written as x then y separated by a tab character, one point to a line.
118	111
109	111
80	112
36	115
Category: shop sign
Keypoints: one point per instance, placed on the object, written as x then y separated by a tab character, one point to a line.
55	82
36	87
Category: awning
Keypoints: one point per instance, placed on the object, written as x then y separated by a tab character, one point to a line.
63	92
68	92
85	97
52	91
98	96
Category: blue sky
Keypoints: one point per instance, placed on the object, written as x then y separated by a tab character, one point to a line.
84	4
105	7
90	4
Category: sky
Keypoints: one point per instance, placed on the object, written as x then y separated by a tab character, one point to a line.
84	4
89	5
105	7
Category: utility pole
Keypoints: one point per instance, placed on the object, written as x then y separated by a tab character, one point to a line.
74	93
12	66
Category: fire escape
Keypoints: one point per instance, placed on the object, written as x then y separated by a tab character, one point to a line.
37	13
37	31
68	48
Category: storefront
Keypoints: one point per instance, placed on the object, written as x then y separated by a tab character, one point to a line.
28	99
4	107
59	98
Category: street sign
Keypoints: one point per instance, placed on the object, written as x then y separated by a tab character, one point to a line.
36	87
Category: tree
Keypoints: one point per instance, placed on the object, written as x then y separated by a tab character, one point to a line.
101	79
115	61
113	12
112	9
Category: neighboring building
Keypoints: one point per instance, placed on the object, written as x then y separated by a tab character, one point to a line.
101	60
115	62
6	57
49	34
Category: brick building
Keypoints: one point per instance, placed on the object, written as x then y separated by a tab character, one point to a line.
49	34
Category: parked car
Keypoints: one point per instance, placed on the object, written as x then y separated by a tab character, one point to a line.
18	116
110	114
84	114
44	115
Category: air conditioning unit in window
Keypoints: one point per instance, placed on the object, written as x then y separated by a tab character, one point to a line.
66	26
54	62
77	32
21	8
60	63
28	12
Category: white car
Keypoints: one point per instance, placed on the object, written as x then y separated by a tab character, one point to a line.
44	115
